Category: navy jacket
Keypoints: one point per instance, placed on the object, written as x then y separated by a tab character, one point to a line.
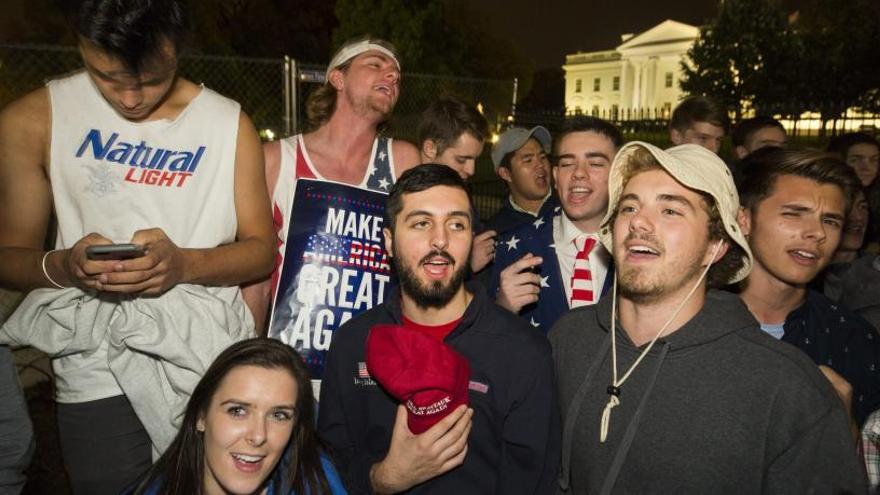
507	218
513	445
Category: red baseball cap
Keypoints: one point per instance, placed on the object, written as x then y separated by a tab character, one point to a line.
425	374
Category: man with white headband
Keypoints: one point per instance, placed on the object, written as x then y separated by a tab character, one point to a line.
328	189
668	387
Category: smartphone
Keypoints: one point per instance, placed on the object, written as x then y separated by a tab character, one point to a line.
115	252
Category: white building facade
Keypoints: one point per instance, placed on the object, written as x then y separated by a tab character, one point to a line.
640	75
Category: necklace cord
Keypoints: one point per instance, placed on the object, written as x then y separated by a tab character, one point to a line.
614	398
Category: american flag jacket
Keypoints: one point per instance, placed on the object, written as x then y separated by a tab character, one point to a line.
537	238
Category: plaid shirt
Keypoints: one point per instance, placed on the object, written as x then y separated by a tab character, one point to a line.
870	445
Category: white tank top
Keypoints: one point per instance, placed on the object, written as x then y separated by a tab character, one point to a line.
296	164
114	177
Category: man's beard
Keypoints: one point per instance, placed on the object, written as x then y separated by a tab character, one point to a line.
435	294
645	288
365	106
639	291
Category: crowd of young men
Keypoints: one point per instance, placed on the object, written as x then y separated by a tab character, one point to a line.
631	320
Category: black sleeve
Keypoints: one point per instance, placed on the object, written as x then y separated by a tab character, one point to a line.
532	430
334	427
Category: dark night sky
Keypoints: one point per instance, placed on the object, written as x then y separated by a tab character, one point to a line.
546	30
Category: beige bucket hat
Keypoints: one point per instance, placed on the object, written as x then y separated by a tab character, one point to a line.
696	168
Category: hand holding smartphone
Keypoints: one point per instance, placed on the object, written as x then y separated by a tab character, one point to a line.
114	252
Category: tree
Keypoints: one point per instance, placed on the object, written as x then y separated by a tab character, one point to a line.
263	28
440	38
412	26
838	55
548	92
743	58
34	21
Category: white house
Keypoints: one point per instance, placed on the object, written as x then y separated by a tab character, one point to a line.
641	73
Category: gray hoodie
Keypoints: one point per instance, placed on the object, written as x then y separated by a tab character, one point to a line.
716	407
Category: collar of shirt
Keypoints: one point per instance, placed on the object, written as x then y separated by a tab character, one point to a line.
777	331
520	209
437	332
564	232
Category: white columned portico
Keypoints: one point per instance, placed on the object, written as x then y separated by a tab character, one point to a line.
642	62
637	84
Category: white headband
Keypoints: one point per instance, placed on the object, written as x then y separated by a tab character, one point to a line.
349	52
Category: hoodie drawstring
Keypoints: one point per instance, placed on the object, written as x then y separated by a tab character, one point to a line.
573	412
630	433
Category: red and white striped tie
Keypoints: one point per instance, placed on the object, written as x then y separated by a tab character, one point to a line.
582	278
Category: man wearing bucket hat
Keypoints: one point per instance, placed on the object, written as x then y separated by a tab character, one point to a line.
388	392
520	159
794	210
669	387
343	144
556	262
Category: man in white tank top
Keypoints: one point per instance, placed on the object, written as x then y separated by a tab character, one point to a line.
343	145
127	151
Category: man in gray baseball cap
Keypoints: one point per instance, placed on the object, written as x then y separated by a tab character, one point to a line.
520	158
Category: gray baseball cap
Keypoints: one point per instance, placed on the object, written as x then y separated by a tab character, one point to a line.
514	139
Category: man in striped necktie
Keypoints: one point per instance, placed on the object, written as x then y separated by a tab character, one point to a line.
545	267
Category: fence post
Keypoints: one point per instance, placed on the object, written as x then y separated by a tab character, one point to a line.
286	85
513	102
294	96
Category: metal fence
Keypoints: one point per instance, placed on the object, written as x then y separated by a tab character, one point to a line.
804	127
258	84
273	92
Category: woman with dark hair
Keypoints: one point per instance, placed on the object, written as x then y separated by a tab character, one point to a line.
248	429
